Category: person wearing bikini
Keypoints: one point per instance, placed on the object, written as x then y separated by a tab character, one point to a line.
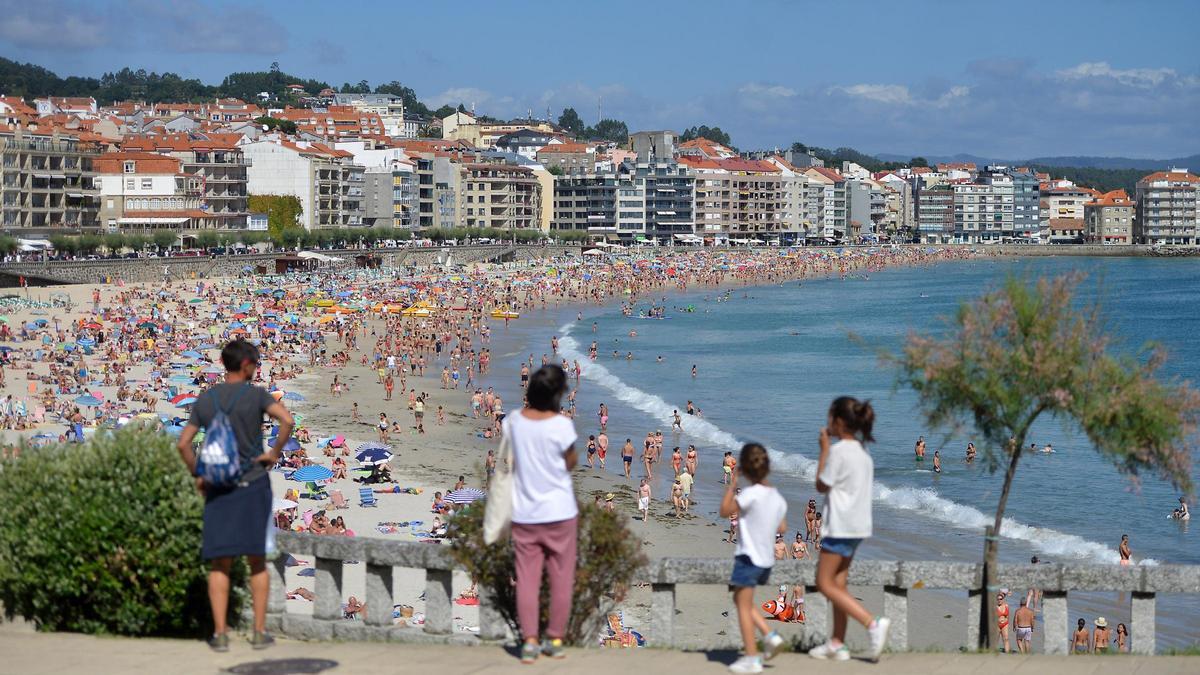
690	460
799	548
1002	622
1124	550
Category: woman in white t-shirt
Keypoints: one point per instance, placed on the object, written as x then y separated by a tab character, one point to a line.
544	509
845	474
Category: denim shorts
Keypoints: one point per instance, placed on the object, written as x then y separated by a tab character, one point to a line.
747	574
842	547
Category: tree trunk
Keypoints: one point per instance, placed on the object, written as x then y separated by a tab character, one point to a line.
989	635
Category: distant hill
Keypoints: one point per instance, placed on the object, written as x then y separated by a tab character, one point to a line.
1191	162
1088	162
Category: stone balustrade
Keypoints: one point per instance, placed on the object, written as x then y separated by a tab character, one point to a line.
380	557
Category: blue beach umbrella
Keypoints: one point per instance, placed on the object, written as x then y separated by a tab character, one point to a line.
372	445
373	456
293	396
192	354
88	400
312	472
292	445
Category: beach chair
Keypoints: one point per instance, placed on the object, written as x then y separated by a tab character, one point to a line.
315	491
338	500
366	497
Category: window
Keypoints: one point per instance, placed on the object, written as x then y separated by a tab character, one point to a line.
147	183
129	183
130	167
110	202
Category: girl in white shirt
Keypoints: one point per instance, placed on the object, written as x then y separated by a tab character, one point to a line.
845	474
761	512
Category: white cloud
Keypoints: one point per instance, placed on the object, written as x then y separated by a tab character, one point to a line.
766	90
1132	77
892	94
468	96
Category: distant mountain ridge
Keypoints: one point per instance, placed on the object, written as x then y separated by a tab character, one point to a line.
1081	161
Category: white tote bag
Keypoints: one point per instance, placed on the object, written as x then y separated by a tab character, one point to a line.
497	516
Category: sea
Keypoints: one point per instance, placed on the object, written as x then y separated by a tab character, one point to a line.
770	359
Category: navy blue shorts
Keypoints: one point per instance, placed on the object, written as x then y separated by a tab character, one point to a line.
842	547
748	575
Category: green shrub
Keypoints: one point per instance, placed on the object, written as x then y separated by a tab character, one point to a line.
609	557
104	537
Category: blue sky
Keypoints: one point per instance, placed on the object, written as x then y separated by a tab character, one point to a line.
1010	79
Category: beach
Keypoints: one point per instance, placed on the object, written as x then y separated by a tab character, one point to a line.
548	303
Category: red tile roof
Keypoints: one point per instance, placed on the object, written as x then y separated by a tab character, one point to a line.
1174	176
145	163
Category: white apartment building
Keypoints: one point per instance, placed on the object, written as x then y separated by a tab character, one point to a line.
389	107
327	182
142	191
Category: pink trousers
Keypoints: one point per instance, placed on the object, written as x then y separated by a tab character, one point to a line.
550	546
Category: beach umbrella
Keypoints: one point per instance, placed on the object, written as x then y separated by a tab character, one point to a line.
312	472
182	397
5	349
88	400
374	456
282	504
372	445
293	396
194	301
292	445
192	354
185	401
465	496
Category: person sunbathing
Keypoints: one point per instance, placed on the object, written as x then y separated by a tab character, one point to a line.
355	609
301	593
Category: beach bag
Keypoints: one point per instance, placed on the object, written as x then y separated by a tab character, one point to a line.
219	463
497	513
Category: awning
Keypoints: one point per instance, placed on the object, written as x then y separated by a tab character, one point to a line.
76	195
153	221
60	176
44	176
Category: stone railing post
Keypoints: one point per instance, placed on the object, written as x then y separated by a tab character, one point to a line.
1142	623
491	624
277	594
816	609
973	608
328	589
379	595
662	614
439	615
1055	622
895	607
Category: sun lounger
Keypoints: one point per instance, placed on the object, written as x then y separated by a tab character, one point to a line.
366	497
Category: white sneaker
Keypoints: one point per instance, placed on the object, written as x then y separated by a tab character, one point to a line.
772	643
827	652
747	664
878	635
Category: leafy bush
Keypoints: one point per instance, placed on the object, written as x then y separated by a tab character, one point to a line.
609	556
104	537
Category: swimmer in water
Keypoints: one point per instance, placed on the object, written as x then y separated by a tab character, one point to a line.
937	462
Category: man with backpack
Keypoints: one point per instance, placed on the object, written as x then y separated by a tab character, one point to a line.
231	472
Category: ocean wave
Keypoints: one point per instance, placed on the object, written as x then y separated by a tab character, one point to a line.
924	501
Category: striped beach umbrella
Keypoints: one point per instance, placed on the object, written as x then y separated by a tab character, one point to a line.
465	495
312	472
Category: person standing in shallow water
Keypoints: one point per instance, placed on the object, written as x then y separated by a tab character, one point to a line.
236	518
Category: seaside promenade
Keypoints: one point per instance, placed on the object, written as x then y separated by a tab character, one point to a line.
33	653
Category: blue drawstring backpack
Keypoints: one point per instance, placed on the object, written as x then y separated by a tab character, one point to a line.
219	463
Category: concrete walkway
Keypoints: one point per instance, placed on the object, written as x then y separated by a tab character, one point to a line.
22	651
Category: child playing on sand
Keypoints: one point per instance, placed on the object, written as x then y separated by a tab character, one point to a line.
845	474
761	511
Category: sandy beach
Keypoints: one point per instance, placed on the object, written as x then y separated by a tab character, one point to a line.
428	462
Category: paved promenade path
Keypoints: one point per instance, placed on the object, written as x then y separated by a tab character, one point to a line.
23	651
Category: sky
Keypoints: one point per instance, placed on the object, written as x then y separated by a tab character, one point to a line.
1012	80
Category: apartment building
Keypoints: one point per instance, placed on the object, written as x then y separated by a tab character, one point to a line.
84	106
1064	202
232	110
827	201
797	222
1109	219
437	189
1168	208
389	109
588	202
390	184
145	191
46	180
220	164
668	192
983	211
325	180
1026	203
866	208
500	196
737	198
568	158
935	214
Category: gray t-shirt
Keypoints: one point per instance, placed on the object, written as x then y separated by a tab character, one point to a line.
245	417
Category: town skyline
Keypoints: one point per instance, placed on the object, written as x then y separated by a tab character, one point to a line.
1100	88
